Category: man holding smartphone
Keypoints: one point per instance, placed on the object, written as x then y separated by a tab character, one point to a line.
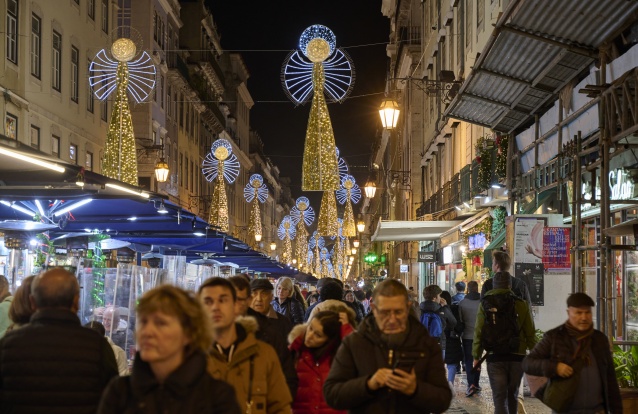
390	364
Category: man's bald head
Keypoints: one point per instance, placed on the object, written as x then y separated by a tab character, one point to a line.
55	288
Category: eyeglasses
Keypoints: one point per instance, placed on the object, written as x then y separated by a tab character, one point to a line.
386	313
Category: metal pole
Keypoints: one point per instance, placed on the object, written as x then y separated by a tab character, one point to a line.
577	285
561	163
536	173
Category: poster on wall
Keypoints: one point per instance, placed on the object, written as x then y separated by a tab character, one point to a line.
556	248
533	274
528	240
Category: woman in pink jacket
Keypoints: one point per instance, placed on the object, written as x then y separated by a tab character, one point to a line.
314	345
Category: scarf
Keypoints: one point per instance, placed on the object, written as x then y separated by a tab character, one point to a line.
583	339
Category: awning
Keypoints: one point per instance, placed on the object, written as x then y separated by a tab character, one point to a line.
536	48
411	230
628	228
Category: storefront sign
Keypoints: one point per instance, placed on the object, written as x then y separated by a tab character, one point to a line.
447	255
427	257
476	241
556	248
621	187
404	268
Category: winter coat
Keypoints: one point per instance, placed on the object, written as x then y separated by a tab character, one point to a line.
269	333
527	332
558	346
468	309
268	393
453	348
447	318
291	308
5	321
54	365
189	389
312	373
365	351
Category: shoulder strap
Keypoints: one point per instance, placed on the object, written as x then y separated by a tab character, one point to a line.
251	375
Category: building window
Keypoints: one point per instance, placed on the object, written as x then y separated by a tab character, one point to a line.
75	81
105	16
36	45
73	153
90	102
55	146
35	137
56	62
468	24
90	9
480	15
11	126
88	164
181	166
161	92
169	107
104	110
12	31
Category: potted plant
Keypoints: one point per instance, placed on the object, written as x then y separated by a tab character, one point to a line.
626	367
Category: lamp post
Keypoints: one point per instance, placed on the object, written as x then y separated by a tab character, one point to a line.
370	189
161	170
389	113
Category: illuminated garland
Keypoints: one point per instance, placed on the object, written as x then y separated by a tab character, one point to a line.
120	156
220	165
498	224
484	159
286	232
500	167
254	222
301	244
327	224
218	213
255	192
302	214
349	193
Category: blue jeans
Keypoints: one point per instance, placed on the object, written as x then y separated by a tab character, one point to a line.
472	376
451	372
505	378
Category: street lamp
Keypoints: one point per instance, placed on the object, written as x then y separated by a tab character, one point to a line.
354	250
257	237
361	226
389	113
355	242
273	246
370	189
161	171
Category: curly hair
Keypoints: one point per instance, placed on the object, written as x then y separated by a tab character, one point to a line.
184	306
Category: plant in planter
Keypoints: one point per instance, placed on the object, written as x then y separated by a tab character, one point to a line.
626	367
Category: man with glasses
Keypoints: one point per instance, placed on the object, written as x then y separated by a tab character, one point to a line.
390	364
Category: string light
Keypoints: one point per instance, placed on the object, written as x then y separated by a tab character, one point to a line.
327	223
286	233
255	192
219	165
302	214
349	193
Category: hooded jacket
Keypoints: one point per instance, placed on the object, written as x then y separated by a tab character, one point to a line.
365	351
312	373
249	355
189	389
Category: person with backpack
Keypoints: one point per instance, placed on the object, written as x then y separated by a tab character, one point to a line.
453	348
436	316
468	309
505	330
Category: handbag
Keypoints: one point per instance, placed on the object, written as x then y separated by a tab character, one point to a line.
559	393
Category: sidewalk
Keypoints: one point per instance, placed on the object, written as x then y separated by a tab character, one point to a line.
482	403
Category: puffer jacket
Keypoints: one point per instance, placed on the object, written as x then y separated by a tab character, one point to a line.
365	351
291	308
558	346
54	365
267	386
189	389
312	374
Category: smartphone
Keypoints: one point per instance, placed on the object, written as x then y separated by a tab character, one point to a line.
404	364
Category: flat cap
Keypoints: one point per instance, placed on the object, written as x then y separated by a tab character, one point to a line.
579	300
261	284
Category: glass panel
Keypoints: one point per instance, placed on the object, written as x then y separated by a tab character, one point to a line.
631	286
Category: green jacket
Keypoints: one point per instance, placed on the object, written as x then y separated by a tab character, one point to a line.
525	323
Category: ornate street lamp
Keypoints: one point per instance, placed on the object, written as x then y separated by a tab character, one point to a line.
389	113
161	171
361	226
257	237
370	189
273	246
355	243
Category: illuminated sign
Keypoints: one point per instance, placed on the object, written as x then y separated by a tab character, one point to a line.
476	241
403	268
621	187
447	255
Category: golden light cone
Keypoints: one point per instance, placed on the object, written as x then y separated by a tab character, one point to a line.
301	246
320	168
120	155
254	223
218	215
317	267
287	249
349	228
327	224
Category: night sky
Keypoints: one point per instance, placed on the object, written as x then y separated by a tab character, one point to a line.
264	32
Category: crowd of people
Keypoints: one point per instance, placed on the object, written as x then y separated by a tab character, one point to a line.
241	345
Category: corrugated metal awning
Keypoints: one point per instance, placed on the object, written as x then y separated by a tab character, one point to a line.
536	48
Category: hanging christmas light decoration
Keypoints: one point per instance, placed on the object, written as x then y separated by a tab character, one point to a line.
349	193
302	215
310	261
286	233
319	70
255	192
316	243
342	165
326	265
122	74
220	165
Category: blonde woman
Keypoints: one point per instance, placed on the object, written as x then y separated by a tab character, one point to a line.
285	303
169	373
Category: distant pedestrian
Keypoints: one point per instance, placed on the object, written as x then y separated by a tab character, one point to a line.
436	316
576	348
120	354
21	307
53	364
460	293
468	309
261	297
285	302
169	373
505	329
453	348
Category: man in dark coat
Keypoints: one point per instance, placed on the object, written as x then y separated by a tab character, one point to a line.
390	364
53	364
576	342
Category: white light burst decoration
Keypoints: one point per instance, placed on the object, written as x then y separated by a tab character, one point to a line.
343	166
221	154
286	232
302	210
348	193
256	189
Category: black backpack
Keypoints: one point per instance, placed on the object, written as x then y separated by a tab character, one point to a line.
500	334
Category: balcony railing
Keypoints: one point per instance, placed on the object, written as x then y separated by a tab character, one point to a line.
206	56
175	60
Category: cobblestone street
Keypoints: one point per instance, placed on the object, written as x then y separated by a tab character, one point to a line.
482	403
